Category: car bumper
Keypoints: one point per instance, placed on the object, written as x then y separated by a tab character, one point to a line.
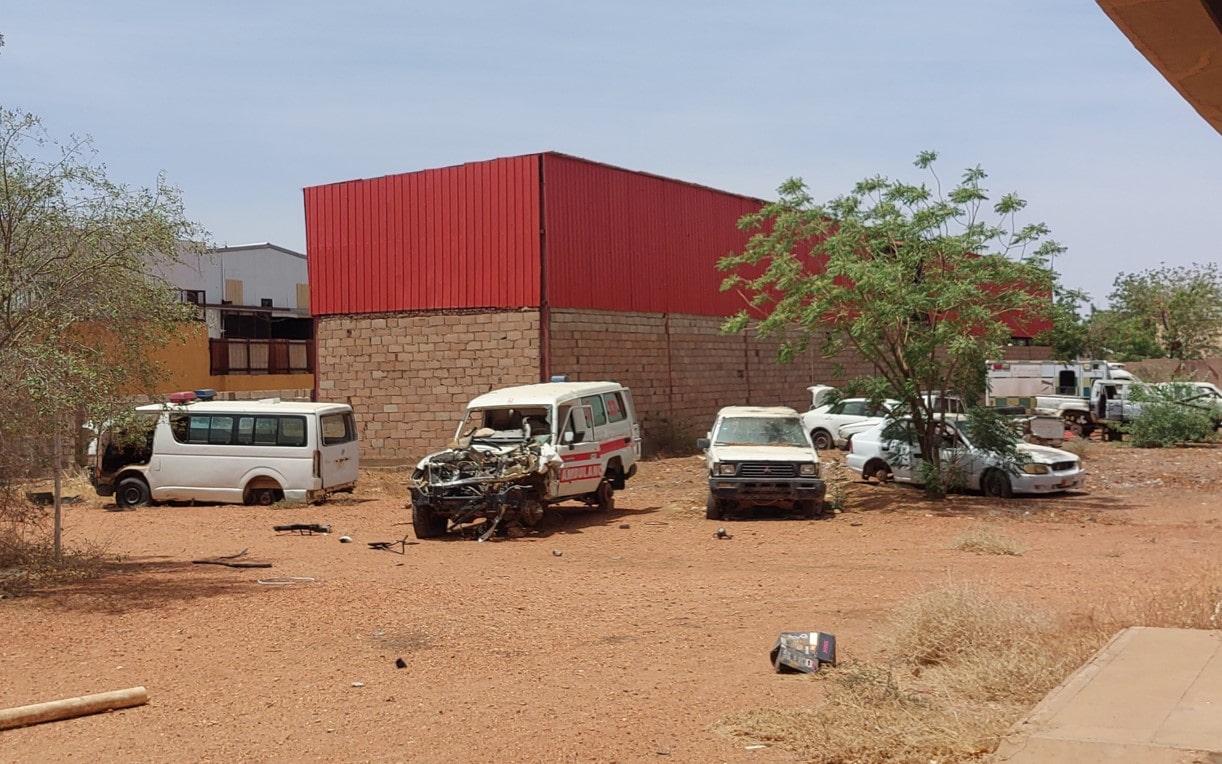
1052	483
806	489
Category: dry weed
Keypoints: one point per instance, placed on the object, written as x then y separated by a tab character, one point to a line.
1080	448
871	716
985	540
963	667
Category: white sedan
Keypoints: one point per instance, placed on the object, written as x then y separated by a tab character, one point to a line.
890	451
824	422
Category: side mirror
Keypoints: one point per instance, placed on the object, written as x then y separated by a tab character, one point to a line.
567	437
702	444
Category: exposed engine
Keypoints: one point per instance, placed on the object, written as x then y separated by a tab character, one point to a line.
503	483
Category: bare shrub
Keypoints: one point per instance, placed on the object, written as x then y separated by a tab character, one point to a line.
28	559
988	541
836	476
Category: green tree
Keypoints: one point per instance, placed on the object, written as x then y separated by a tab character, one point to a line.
79	304
1110	334
917	280
1180	306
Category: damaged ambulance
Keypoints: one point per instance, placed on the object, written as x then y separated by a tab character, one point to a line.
520	449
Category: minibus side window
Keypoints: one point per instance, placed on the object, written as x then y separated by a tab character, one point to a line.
337	429
246	430
266	428
292	431
221	431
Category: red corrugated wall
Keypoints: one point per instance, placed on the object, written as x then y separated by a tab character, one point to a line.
623	240
456	237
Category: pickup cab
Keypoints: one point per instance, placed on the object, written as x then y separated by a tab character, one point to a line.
761	456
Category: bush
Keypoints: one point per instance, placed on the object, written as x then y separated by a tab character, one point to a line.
1164	419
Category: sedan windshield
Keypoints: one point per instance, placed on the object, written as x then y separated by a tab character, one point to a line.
761	431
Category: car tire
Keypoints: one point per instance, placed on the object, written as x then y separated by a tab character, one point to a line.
132	492
809	510
823	440
604	497
877	469
426	524
996	484
714	508
261	497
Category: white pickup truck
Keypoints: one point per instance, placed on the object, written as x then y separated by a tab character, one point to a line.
1112	405
761	456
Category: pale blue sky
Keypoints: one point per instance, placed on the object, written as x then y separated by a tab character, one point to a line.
244	103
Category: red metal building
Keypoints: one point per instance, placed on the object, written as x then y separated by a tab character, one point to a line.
533	230
433	286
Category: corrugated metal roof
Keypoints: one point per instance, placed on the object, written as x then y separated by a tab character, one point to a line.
465	236
629	241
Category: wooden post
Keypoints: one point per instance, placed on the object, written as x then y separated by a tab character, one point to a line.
70	708
58	462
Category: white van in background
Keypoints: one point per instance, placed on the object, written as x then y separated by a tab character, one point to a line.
252	452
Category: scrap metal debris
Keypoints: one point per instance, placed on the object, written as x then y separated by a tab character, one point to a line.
232	561
302	528
389	546
495	487
802	652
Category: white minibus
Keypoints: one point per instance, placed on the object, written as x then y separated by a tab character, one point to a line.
252	452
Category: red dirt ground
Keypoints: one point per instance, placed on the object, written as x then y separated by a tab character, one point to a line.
627	647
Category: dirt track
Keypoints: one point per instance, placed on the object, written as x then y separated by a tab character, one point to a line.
628	646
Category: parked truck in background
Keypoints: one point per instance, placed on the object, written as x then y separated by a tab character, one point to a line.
1112	402
1051	388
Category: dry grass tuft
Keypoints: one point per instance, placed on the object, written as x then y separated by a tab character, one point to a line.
962	667
1078	447
871	716
985	540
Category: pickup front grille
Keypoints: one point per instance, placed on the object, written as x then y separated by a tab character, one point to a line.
767	470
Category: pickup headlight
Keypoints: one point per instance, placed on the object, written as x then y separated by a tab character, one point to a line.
727	470
1036	469
808	470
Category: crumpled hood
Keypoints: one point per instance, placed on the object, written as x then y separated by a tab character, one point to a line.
763	454
1045	454
548	456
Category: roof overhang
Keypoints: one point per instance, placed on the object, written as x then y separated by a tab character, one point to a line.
1183	40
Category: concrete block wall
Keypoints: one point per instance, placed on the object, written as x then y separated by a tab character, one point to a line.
681	368
409	376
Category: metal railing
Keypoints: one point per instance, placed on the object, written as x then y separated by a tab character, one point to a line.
243	356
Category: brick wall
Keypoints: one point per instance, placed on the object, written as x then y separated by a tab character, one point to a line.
681	368
409	376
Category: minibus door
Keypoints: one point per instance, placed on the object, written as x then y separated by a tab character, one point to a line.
339	450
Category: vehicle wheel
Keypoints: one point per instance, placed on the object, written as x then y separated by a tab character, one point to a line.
261	497
715	508
876	469
425	524
823	440
996	484
604	497
809	509
132	492
1080	425
531	513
